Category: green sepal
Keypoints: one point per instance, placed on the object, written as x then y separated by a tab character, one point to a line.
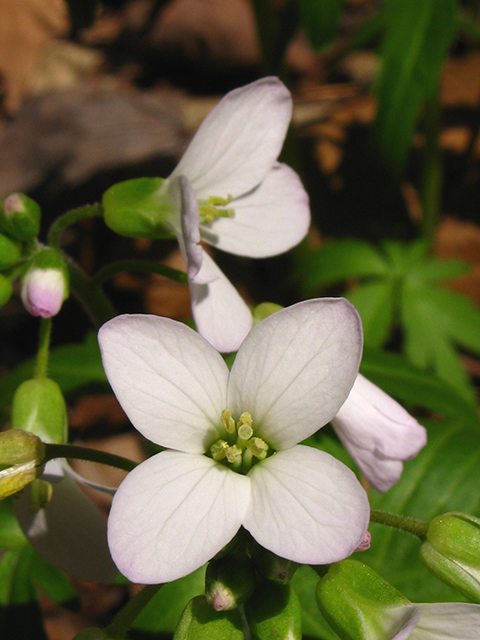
229	581
271	566
20	217
360	605
200	622
39	407
139	209
10	252
274	612
452	552
48	258
6	290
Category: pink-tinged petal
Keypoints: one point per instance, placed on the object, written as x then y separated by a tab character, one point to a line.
238	142
295	369
378	433
448	621
221	315
269	220
172	514
43	292
70	532
307	506
168	379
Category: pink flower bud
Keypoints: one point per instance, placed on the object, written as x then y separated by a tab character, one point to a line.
43	292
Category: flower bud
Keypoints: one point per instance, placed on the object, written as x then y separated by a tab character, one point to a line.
452	552
6	290
20	217
229	581
21	460
10	252
271	566
45	285
360	605
39	407
274	612
138	209
199	621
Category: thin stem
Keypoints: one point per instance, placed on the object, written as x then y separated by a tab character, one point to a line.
432	170
409	525
69	218
138	266
90	295
75	452
43	348
127	615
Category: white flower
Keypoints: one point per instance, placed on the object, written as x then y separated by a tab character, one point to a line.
229	191
43	292
443	621
176	510
68	530
378	433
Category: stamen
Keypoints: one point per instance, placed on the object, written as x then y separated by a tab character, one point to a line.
258	448
245	431
218	450
228	421
210	209
234	456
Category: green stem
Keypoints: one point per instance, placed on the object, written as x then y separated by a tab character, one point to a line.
409	525
74	452
432	170
69	218
90	295
43	348
127	615
138	266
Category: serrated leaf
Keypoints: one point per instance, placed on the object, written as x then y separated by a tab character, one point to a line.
417	37
414	387
72	366
340	261
320	20
374	302
445	476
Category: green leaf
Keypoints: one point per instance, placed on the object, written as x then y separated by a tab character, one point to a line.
320	19
15	577
418	35
314	624
11	536
54	583
374	302
444	477
409	384
434	270
72	367
340	261
162	613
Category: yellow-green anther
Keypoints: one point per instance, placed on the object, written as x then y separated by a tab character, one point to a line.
220	202
246	418
245	431
40	494
258	448
234	455
218	450
228	421
210	210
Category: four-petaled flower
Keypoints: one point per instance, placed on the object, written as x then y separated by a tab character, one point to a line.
230	191
232	455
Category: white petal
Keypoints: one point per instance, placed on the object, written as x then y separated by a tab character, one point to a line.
307	506
221	315
269	220
172	514
239	141
296	368
70	532
448	621
378	433
168	379
190	222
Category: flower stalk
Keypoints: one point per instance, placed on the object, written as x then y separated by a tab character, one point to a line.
74	452
409	525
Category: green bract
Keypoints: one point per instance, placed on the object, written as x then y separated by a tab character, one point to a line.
10	252
138	209
200	622
452	552
361	605
20	217
38	407
274	612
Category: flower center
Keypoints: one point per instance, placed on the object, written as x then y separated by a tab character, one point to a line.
240	449
210	209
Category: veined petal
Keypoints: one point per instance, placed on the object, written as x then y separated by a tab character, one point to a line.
306	506
239	141
295	369
70	532
168	379
447	621
172	514
269	220
221	315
